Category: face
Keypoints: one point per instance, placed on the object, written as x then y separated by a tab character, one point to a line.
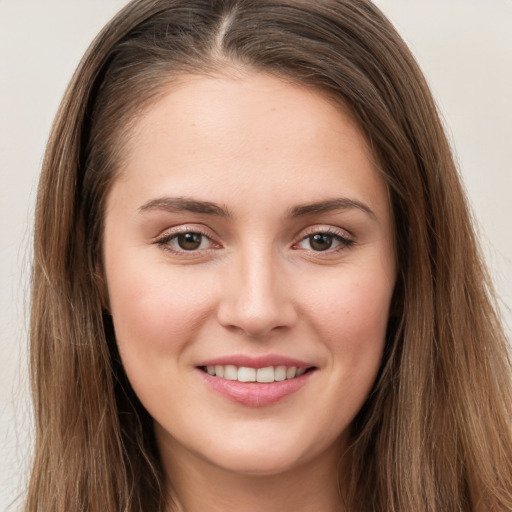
249	257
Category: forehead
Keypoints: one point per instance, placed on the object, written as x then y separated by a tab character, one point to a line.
251	134
252	100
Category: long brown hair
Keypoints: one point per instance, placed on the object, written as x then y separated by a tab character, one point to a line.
435	433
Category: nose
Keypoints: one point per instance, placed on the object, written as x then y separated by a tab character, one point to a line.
257	299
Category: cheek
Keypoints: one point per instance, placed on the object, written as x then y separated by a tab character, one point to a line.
154	311
350	317
156	319
353	307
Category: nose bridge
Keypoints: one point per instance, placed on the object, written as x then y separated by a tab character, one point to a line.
259	281
257	300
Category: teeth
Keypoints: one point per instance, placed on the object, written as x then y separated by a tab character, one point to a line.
290	372
265	374
230	372
246	374
280	373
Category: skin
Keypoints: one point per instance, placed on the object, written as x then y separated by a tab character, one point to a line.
258	148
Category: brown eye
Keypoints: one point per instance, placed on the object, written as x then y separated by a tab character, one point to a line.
320	241
192	242
189	241
324	241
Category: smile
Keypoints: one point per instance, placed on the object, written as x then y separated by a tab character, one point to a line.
255	386
268	374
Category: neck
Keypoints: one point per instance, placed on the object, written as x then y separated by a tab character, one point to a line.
196	485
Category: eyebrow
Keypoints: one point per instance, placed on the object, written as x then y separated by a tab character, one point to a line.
185	204
342	203
188	204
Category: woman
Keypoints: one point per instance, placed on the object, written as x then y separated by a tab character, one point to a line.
256	284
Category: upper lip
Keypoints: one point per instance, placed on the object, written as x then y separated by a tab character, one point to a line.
255	361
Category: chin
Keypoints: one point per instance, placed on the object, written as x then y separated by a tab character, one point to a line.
263	455
267	463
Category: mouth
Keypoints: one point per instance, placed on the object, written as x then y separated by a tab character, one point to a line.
246	374
256	386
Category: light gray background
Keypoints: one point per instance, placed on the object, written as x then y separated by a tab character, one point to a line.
464	47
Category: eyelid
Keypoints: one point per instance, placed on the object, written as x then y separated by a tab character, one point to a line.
326	229
169	234
345	238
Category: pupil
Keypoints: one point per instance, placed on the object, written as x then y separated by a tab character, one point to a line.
320	242
189	241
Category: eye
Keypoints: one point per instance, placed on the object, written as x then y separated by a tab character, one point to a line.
189	241
324	241
320	241
185	241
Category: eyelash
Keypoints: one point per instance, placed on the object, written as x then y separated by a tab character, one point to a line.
165	240
344	241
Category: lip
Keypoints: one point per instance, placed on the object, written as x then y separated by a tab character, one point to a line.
256	362
255	394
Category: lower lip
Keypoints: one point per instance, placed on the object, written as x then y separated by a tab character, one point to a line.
255	394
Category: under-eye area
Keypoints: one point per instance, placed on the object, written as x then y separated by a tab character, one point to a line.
261	375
